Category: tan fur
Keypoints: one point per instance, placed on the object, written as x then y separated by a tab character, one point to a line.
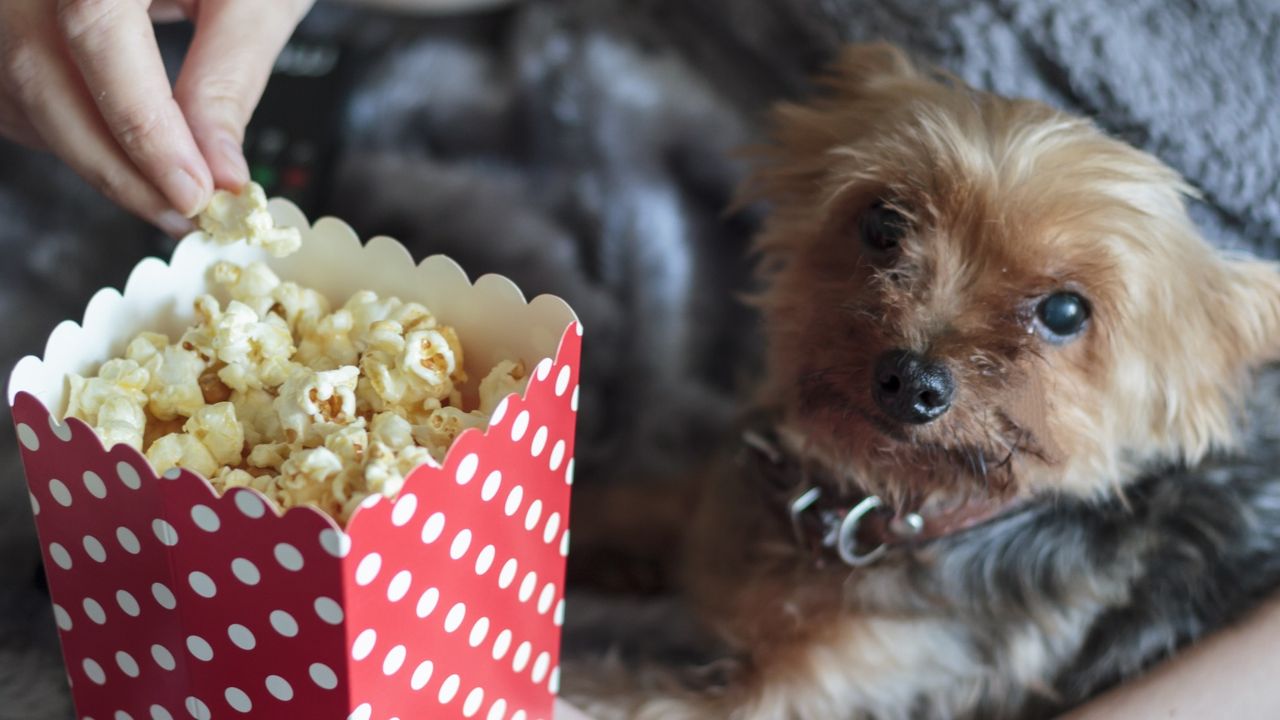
1008	201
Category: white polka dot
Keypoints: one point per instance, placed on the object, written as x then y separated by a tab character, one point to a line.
127	664
128	603
28	437
163	657
404	509
62	431
449	689
484	560
461	543
427	603
394	660
432	529
205	518
507	574
238	700
479	632
250	505
520	426
328	610
60	493
35	504
322	675
370	501
279	688
94	672
539	441
553	685
128	475
527	586
497	711
540	667
93	483
128	540
242	637
245	571
422	675
368	568
364	643
198	709
474	700
557	455
514	498
94	548
363	712
564	543
164	596
61	617
159	713
558	616
543	369
501	645
399	586
534	514
202	584
60	556
520	660
553	527
288	557
199	648
467	468
335	542
547	597
562	381
164	532
94	611
568	472
573	401
577	329
172	473
491	485
283	623
499	411
454	619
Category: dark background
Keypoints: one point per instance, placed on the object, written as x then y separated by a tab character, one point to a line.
584	147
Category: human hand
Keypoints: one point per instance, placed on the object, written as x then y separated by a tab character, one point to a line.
84	79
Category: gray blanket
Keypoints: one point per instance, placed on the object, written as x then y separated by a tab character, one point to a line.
584	148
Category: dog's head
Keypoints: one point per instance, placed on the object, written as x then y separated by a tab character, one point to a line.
967	291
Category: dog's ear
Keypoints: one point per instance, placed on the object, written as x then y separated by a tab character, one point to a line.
860	68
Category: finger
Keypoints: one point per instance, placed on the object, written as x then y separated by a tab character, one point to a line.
114	45
226	70
55	101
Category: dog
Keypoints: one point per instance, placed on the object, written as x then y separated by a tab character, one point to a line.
1013	441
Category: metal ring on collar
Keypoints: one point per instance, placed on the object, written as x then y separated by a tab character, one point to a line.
847	539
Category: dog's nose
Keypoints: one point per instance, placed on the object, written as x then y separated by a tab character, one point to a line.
910	388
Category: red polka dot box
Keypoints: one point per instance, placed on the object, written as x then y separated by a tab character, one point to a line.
173	602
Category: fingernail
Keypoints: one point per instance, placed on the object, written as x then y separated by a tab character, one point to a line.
173	223
233	155
187	195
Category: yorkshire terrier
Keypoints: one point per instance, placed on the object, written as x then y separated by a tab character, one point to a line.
1013	444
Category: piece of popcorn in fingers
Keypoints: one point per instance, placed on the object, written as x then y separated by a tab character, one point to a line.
232	217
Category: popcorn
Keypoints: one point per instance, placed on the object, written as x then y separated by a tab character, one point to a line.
232	217
276	391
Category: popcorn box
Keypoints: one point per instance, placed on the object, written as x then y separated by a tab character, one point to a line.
173	602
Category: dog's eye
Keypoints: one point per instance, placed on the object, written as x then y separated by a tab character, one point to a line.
882	227
1062	315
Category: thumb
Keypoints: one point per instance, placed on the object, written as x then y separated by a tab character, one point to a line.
225	72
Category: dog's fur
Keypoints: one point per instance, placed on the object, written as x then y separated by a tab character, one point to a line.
1142	523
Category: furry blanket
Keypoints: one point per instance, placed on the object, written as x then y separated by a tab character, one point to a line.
583	147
